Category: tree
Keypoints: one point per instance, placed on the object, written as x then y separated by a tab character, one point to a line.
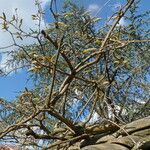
79	71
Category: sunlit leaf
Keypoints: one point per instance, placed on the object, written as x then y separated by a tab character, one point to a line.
89	50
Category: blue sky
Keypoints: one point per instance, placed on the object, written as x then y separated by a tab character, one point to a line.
11	85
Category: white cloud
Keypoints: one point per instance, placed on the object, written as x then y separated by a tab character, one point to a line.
93	8
122	22
44	2
3	63
116	6
25	9
95	117
5	66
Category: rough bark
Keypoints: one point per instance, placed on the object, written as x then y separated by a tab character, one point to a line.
133	136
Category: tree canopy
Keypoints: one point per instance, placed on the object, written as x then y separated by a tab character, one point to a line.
81	70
